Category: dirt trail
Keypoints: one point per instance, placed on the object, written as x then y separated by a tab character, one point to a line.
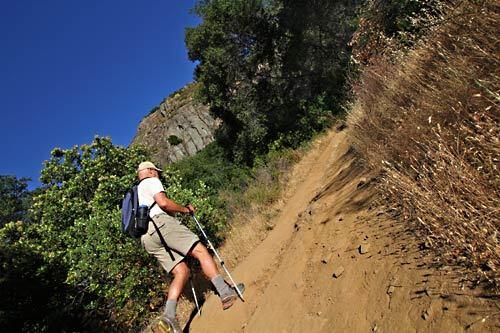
390	288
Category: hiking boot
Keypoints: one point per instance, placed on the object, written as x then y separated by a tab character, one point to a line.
169	325
228	301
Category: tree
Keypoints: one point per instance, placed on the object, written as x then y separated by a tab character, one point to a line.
271	70
14	198
75	249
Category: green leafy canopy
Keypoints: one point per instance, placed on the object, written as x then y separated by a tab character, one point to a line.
77	227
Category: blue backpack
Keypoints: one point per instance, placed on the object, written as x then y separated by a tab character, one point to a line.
134	220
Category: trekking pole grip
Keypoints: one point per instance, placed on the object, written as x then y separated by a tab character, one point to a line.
190	211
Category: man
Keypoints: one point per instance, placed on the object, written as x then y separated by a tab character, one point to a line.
180	241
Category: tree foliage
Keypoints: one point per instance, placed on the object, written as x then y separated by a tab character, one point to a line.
14	198
77	233
271	70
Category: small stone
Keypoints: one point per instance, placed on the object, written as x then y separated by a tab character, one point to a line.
318	313
361	183
340	219
390	290
364	248
427	244
380	212
425	315
338	272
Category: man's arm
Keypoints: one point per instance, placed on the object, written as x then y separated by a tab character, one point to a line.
170	206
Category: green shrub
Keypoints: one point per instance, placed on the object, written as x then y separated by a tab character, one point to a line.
213	168
174	140
77	228
14	199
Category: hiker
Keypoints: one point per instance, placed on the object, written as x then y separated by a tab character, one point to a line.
180	241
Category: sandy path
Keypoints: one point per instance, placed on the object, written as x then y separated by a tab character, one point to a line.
390	288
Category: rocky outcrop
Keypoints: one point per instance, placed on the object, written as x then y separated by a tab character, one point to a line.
179	127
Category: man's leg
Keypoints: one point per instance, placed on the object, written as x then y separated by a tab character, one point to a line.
207	263
226	293
181	275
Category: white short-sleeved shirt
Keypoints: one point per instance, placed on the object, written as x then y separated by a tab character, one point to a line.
146	191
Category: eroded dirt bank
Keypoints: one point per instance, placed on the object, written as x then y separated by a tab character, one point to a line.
336	262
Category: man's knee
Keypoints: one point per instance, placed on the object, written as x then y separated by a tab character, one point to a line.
181	270
199	251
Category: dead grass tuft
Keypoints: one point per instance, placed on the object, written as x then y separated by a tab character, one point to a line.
430	125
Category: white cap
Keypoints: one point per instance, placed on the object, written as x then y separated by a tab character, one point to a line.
147	165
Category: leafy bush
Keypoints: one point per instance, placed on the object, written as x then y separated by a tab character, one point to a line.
174	140
77	229
34	296
14	199
212	167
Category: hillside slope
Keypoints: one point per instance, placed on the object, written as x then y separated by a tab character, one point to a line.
392	287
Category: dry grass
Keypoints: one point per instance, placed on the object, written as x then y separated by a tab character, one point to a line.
430	125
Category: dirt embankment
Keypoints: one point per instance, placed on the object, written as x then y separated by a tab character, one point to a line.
336	262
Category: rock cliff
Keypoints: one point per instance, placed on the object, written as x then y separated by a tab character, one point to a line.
178	127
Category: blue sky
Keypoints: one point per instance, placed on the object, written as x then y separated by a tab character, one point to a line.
70	70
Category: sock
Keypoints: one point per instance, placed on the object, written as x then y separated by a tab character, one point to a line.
170	308
222	287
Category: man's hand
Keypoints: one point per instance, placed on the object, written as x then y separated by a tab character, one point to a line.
190	208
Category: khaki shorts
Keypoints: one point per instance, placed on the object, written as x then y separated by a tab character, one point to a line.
178	237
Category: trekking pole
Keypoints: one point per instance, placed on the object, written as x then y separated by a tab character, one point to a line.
218	257
194	295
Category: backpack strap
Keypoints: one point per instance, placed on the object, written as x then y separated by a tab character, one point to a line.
140	181
163	242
